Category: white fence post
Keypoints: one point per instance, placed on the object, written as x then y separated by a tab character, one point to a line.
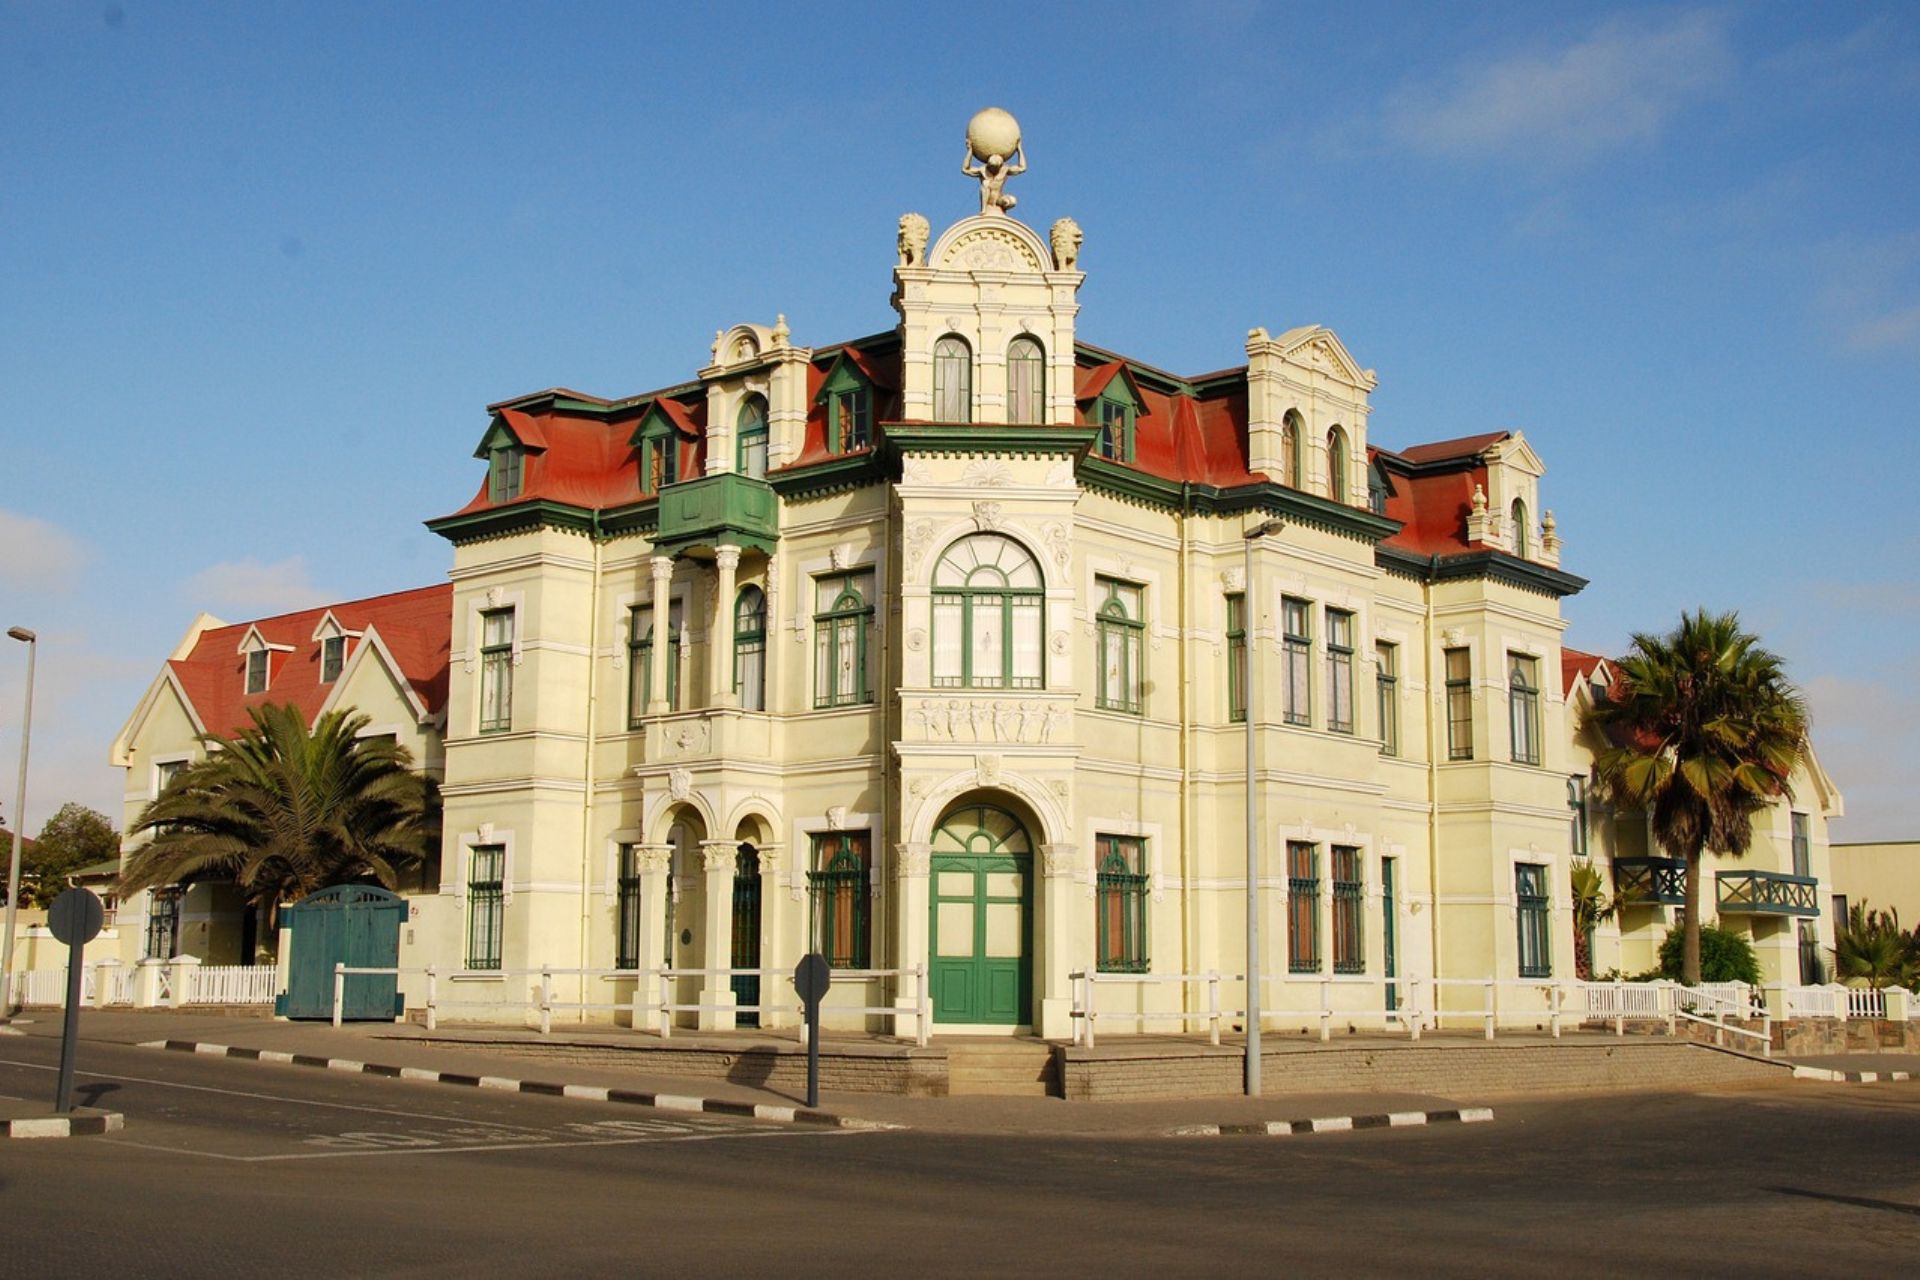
1213	1006
923	1000
666	1014
433	998
1555	998
1412	1003
1092	986
339	989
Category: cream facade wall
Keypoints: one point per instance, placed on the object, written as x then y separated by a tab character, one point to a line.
1879	875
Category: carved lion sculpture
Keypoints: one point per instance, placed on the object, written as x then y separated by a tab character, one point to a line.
1066	244
914	230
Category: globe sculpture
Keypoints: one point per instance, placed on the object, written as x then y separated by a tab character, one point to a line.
993	132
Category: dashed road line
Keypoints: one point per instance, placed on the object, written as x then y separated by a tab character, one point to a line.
1336	1124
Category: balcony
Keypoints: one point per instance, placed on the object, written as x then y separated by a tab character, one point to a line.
1767	893
723	508
1646	882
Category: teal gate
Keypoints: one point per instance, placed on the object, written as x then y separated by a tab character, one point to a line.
352	924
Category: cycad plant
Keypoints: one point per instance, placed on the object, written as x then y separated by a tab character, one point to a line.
1702	731
282	811
1872	946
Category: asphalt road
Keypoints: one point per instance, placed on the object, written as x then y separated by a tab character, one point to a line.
231	1168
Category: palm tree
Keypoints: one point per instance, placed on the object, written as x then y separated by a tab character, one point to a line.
1702	731
1873	946
1591	909
283	810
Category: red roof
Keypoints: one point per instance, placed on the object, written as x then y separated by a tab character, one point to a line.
1576	664
1447	450
415	626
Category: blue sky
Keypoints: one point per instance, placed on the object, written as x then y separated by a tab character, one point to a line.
262	266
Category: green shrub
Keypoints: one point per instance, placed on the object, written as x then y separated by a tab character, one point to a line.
1725	956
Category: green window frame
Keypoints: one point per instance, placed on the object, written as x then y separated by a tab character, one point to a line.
988	615
1303	907
496	670
659	456
1349	909
1116	430
842	624
640	660
162	940
258	666
952	379
840	889
1236	657
1026	380
333	658
486	905
1296	617
1802	843
506	472
1459	668
1386	685
1120	897
626	936
1119	629
1531	920
1523	706
848	399
1577	802
1337	464
750	648
1339	671
750	439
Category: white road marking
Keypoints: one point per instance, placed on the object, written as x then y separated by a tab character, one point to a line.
480	1147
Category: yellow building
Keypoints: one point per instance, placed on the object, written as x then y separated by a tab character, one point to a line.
1877	874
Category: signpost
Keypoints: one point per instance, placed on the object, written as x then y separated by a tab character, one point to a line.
75	919
811	979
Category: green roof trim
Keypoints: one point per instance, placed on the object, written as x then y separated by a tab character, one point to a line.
850	471
514	517
1496	566
1262	496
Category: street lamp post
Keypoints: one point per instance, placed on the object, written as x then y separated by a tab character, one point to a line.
29	639
1253	535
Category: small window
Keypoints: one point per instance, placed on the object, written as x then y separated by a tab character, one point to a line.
1530	911
1523	703
1292	433
1116	430
1577	802
1119	629
1377	491
659	457
257	667
1802	845
333	658
163	924
843	616
1297	652
486	905
1236	658
1459	704
1121	904
626	948
1522	531
1026	381
506	468
952	380
496	671
852	419
640	657
750	649
750	445
1386	683
1339	671
1337	465
1303	907
839	887
1349	909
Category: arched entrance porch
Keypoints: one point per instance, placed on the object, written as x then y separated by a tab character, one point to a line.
980	925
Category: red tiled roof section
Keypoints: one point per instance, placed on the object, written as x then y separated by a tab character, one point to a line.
1576	664
1446	450
1432	511
416	627
588	462
882	370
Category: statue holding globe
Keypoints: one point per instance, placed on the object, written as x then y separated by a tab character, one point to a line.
994	154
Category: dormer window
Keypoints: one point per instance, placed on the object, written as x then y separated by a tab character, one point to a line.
1292	432
506	469
1026	381
1113	404
1520	528
952	380
1116	429
751	442
333	658
848	398
257	671
659	455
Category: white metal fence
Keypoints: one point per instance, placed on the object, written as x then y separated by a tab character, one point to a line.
232	984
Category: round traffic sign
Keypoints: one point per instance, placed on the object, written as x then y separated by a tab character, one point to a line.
76	916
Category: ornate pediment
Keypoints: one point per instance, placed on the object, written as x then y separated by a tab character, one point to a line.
991	244
1319	349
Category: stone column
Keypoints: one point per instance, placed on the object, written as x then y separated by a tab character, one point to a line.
910	942
662	649
726	562
652	862
1056	943
776	952
717	857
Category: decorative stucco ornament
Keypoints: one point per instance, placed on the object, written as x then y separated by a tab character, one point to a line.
994	154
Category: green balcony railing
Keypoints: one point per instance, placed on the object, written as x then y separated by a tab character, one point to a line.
1640	882
1767	893
721	509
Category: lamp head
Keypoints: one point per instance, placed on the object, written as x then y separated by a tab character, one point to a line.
22	634
1265	527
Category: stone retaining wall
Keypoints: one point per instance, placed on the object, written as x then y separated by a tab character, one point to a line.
1810	1037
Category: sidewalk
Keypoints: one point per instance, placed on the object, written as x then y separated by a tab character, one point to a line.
405	1046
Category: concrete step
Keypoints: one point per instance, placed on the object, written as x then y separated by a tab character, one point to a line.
1006	1069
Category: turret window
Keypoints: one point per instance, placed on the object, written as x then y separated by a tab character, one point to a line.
952	380
750	449
1523	695
1026	381
1337	465
1521	531
1292	432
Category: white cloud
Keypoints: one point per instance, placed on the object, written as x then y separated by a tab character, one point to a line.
1618	86
1868	735
35	553
252	588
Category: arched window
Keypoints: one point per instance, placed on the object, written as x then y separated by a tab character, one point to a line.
1337	465
1292	435
1026	381
1521	530
750	447
1119	628
988	615
952	380
750	649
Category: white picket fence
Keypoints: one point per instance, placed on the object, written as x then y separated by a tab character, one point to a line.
232	984
203	984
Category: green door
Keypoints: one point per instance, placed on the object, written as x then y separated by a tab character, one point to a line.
354	925
982	926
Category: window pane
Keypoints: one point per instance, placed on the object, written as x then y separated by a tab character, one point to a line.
947	645
987	641
1027	645
1026	380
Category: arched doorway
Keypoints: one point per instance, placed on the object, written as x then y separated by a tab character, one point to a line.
980	938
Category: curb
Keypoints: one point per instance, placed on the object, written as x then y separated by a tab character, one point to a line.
1848	1077
74	1126
591	1093
1336	1124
